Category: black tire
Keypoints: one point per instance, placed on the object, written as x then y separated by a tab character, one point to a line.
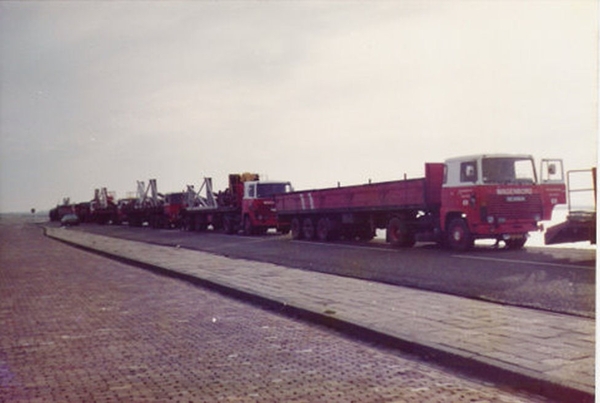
324	229
185	223
516	244
228	226
296	229
308	229
399	233
459	237
366	233
248	227
200	226
156	222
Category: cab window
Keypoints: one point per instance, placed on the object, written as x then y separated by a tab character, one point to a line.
252	191
468	171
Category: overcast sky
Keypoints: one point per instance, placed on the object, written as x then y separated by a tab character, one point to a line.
102	94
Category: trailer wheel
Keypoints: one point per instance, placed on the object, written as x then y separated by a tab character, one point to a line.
157	222
459	236
366	233
399	233
200	226
228	226
184	224
308	229
296	228
324	230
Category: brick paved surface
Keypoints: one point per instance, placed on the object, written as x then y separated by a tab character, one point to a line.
547	348
79	327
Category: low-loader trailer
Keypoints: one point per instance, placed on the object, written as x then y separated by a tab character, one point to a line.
497	196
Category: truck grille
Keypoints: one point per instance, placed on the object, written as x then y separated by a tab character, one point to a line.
515	207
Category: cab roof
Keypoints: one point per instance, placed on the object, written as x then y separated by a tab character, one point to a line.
479	156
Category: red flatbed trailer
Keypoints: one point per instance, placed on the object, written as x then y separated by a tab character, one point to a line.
357	211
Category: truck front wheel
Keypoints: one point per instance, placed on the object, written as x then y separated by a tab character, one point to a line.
248	227
459	236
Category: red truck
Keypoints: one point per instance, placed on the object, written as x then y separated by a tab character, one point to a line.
57	213
247	204
152	208
483	196
102	209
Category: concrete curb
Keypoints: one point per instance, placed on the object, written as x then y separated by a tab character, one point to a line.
470	364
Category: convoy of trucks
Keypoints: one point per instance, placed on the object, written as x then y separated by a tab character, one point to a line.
496	196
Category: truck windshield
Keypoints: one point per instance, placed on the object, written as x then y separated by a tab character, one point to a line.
508	170
270	189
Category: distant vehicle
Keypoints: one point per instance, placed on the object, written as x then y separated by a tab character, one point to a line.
151	207
69	220
57	213
102	209
581	223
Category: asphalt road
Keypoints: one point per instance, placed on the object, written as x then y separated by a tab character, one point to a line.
558	280
78	327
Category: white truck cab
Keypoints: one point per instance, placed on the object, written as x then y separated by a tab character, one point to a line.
497	196
487	169
264	189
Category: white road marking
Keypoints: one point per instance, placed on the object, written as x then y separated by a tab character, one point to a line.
492	259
